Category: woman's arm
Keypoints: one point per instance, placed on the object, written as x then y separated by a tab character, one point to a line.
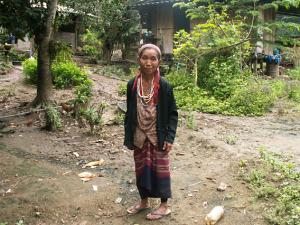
173	117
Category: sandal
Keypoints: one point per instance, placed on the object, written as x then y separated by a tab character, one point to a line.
135	209
158	215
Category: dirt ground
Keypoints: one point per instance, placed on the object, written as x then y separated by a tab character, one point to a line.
38	169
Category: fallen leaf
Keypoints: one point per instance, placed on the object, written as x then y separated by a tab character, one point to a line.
212	179
86	176
94	163
180	153
65	173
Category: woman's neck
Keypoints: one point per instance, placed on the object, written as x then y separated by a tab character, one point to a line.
147	77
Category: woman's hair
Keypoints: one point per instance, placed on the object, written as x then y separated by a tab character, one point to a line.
151	46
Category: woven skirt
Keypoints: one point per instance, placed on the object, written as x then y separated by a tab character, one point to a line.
152	171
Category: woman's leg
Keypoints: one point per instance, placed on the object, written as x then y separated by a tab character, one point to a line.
143	204
161	211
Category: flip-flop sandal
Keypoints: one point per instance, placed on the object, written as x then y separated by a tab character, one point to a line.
135	209
156	215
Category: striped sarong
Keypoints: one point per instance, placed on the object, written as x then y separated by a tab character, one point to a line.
152	171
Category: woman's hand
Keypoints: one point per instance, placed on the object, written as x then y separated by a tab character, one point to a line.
167	146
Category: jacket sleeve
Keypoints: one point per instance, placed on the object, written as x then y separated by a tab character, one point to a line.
172	116
128	98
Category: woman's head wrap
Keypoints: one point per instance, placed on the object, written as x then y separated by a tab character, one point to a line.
143	47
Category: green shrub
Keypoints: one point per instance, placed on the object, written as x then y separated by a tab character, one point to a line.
30	70
253	99
294	92
279	88
294	73
61	52
222	77
92	46
15	55
83	92
67	74
180	78
194	98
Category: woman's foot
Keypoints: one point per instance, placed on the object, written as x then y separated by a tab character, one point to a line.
159	213
138	207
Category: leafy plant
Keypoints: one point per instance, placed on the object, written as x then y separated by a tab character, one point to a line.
83	92
294	73
61	52
64	73
15	55
253	99
119	118
231	139
294	92
122	89
190	121
67	74
30	70
20	222
93	116
92	45
53	119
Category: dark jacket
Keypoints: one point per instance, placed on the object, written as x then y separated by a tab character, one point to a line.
167	115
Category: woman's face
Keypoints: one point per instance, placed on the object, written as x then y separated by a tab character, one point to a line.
149	61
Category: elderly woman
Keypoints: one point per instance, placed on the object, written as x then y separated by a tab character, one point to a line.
150	128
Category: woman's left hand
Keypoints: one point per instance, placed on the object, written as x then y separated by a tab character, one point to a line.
167	146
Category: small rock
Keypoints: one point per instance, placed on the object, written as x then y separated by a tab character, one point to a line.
130	181
95	187
222	187
118	200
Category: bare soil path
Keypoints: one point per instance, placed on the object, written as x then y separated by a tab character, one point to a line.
38	169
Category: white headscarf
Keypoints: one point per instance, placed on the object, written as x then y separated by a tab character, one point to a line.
143	47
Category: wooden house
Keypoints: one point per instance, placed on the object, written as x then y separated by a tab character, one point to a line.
68	32
160	21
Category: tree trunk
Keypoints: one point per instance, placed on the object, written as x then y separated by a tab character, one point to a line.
196	71
107	51
44	78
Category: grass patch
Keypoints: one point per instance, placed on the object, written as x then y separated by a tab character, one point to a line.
275	183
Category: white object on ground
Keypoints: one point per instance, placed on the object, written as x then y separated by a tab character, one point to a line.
214	215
